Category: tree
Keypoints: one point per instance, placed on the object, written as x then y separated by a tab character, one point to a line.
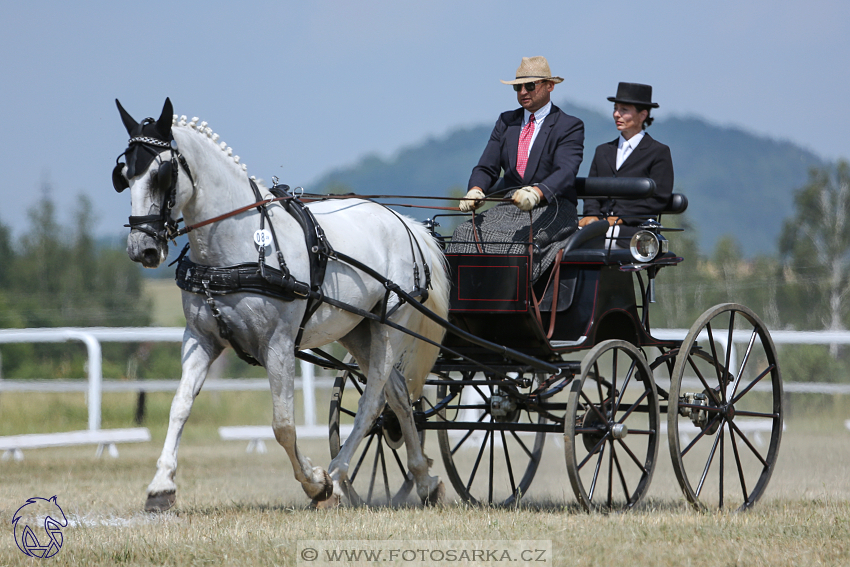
815	245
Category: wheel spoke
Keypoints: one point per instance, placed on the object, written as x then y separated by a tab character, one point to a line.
478	460
398	462
744	362
747	442
758	378
611	475
593	406
708	464
353	475
623	390
596	473
593	451
729	346
722	463
521	444
374	470
622	477
632	455
634	406
738	463
702	379
490	491
468	433
699	435
508	462
384	470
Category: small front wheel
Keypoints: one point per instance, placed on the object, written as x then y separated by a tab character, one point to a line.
611	429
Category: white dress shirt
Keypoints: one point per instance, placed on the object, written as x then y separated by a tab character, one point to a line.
626	147
539	117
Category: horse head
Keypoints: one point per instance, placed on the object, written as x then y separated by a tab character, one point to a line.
150	172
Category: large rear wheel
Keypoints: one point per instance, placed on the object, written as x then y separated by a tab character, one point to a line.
724	418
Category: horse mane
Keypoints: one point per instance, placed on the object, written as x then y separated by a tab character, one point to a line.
203	129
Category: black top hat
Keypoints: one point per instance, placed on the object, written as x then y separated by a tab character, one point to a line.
634	93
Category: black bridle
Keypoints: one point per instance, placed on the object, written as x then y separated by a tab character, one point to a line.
161	227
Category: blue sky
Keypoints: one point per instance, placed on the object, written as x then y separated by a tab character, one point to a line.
297	88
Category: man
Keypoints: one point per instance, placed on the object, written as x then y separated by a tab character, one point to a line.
539	149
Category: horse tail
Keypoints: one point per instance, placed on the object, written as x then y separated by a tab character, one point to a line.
419	357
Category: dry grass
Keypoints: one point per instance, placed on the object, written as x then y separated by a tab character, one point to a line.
246	509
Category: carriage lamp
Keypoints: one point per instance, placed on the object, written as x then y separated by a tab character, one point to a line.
645	246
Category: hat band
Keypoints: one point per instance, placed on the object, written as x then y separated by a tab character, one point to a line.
532	77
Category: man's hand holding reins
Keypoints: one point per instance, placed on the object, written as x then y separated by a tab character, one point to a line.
526	198
473	199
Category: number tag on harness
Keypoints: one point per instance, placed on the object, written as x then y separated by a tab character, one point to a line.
263	238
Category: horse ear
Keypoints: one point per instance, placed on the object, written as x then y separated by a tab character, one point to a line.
165	119
129	122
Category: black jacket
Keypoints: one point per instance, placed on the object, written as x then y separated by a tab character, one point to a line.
649	159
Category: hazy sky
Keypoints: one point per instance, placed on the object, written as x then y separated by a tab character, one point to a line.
297	88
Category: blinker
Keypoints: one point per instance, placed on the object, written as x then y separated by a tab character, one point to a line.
118	180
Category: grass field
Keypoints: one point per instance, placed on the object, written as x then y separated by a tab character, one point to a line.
235	508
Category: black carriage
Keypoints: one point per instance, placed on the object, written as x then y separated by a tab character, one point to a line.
574	355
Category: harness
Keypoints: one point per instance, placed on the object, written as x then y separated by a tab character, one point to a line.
252	277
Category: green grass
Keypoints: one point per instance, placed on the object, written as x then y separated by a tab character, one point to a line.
235	508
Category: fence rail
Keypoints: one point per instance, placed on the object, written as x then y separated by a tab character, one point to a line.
94	386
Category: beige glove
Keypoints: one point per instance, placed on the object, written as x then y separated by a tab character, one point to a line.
471	201
526	198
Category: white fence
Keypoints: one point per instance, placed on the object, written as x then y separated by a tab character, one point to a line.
92	337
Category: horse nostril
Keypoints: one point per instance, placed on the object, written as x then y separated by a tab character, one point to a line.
150	257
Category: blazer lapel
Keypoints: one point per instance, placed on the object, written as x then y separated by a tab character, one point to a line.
512	137
610	155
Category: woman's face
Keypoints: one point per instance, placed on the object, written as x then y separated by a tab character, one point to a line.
628	120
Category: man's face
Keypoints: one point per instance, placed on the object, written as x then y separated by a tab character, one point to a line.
536	99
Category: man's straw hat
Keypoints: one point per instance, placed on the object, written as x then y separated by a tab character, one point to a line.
533	69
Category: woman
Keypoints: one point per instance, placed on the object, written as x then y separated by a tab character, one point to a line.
634	154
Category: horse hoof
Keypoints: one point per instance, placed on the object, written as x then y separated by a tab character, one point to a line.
160	502
327	504
327	488
437	496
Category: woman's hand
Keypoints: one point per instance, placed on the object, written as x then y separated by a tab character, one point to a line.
584	221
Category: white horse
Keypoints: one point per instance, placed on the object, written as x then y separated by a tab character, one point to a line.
210	182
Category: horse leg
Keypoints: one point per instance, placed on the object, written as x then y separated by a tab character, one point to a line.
377	367
315	481
429	488
197	358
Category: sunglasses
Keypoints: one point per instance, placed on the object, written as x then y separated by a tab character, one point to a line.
529	87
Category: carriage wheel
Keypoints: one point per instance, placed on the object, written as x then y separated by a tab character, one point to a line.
378	474
724	418
496	464
611	430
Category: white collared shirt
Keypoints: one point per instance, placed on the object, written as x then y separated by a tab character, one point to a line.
626	147
539	117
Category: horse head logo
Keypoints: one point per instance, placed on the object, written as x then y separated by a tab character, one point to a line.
38	527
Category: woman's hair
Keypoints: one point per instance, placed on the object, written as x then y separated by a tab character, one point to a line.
649	119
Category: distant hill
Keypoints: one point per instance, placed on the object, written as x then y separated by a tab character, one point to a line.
737	183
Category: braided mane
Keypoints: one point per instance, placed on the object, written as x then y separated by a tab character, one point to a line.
203	129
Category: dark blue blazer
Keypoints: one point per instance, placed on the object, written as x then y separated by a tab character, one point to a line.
552	164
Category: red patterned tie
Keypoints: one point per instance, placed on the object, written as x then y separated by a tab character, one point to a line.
524	144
